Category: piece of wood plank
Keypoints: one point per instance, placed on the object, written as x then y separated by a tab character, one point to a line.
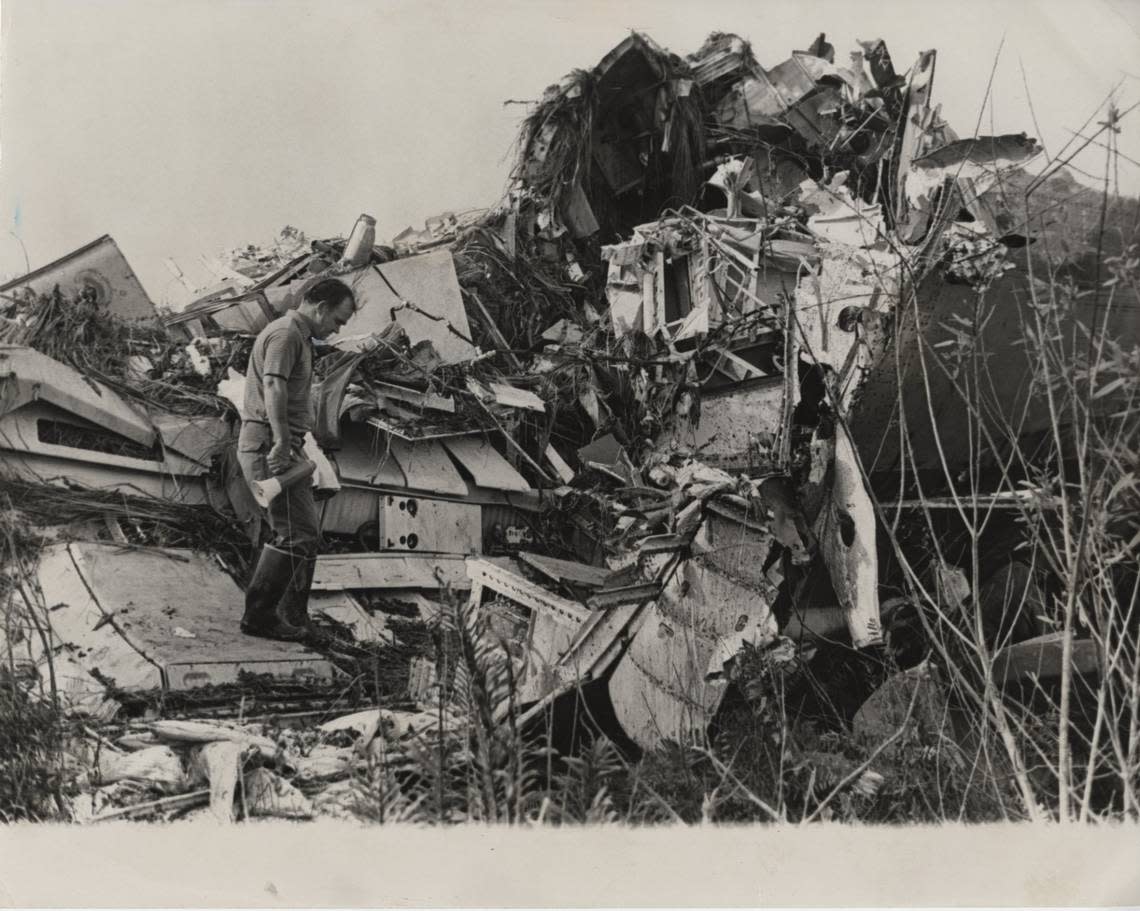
565	472
101	740
567	570
1034	498
515	586
426	466
338	572
486	466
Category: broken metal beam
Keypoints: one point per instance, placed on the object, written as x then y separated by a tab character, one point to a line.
567	570
1011	500
627	594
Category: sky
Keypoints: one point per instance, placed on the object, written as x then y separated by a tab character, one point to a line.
187	127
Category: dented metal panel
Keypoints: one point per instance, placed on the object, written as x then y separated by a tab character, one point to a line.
350	510
418	523
430	283
426	466
487	467
98	271
841	306
915	372
739	549
139	597
365	457
28	376
846	530
671	679
80	620
571	571
736	427
1042	658
146	478
551	624
198	437
36	428
547	640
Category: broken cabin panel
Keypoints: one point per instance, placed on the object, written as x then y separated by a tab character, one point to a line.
736	426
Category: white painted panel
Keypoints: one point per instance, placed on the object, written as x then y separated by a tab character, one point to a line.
487	467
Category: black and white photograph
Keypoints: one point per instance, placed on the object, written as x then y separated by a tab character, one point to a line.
569	420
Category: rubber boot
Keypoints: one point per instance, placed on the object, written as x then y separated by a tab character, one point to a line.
270	579
293	608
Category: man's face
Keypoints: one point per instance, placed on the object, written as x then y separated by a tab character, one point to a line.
330	319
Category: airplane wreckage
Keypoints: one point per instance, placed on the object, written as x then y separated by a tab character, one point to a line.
651	410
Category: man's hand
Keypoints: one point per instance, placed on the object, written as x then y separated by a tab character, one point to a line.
280	457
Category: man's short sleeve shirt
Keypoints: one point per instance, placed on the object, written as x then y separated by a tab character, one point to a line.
282	349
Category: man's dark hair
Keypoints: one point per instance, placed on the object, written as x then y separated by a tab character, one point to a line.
331	291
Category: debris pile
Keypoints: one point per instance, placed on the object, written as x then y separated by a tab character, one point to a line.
635	417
